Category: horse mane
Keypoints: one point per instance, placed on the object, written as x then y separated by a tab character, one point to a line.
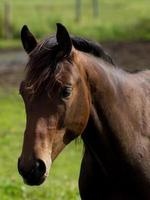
43	58
91	48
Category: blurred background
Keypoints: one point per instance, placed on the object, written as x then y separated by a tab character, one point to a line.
123	29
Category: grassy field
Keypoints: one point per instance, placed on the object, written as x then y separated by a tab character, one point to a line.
62	181
117	20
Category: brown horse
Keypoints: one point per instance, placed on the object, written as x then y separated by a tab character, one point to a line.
72	88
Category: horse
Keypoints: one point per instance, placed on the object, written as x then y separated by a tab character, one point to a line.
71	89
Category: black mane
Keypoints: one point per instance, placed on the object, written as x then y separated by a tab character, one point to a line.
91	48
79	44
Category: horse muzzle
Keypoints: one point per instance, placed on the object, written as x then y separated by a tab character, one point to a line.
35	175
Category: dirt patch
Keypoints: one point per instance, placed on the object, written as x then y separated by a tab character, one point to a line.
128	55
12	64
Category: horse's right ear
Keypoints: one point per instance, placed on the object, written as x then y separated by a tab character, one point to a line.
28	40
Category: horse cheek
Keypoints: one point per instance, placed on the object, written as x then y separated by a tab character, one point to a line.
78	114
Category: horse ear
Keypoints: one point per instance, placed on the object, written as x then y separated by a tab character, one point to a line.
64	40
28	40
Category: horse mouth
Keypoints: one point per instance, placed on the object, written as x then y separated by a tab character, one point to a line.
34	181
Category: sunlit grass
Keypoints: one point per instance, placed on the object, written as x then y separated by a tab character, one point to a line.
62	182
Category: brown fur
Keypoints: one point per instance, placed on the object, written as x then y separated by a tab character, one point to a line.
109	108
117	142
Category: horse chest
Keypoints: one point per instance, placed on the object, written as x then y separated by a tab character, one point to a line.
96	184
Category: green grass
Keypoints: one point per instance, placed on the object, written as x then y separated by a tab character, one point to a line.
117	20
62	182
10	43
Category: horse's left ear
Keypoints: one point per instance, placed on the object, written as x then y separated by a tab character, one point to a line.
64	40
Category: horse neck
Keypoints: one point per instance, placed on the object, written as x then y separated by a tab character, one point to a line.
103	81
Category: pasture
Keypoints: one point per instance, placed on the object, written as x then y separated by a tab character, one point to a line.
62	181
117	19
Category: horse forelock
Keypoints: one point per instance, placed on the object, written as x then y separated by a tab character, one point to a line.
43	68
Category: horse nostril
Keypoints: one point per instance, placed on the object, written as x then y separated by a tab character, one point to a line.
20	169
40	167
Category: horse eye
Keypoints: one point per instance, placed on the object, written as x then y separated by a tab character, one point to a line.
66	91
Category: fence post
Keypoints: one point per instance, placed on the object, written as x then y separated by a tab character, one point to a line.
78	10
95	8
7	20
